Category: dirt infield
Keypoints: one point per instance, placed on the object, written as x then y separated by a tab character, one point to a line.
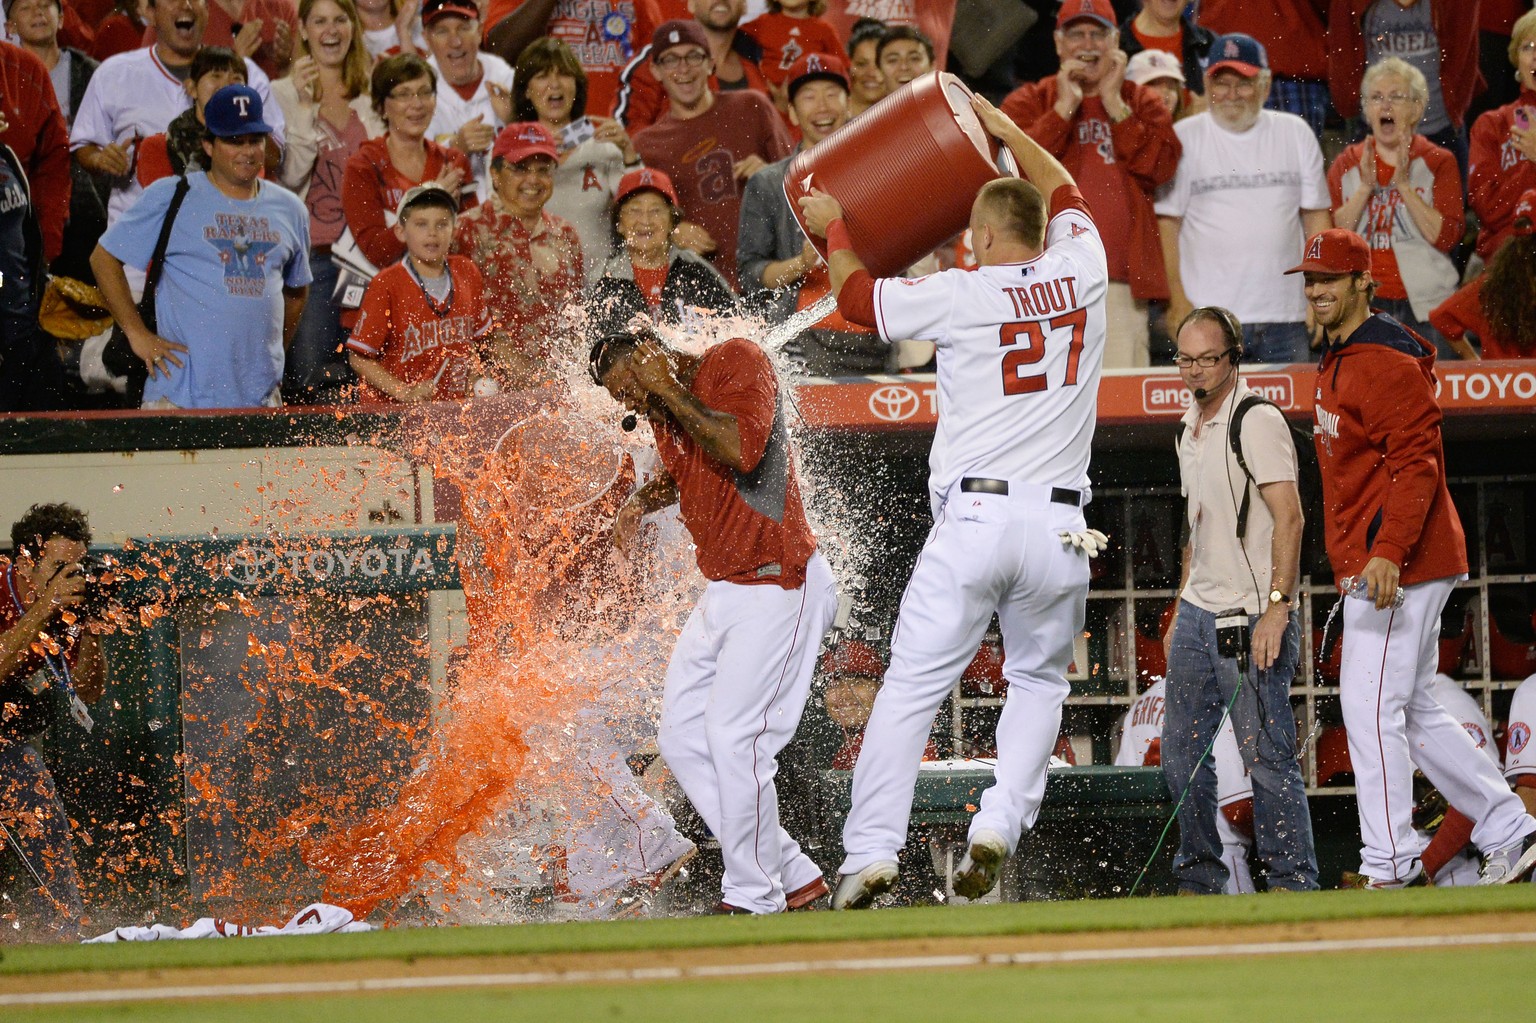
557	969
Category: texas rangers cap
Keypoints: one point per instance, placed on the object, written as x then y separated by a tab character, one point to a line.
1076	10
1151	65
235	110
421	194
678	32
1525	213
645	179
1335	251
432	10
522	139
852	657
1237	52
816	67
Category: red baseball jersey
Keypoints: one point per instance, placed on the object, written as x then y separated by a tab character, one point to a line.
417	338
749	526
785	40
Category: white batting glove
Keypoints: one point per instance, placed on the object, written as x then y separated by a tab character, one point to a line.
1090	541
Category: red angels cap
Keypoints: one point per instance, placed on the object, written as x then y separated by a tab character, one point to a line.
1525	213
1150	65
1334	251
814	66
1076	10
522	139
432	10
852	657
1237	52
642	180
678	32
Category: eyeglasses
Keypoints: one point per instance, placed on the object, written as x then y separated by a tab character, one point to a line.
1396	99
1233	85
672	61
1203	361
405	96
1086	35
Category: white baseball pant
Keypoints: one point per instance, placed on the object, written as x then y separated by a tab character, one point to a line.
985	552
1394	722
736	686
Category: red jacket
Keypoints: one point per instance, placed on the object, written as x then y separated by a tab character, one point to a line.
40	139
1459	78
1146	151
1383	464
371	188
1499	173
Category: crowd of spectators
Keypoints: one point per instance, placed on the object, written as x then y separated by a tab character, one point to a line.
634	163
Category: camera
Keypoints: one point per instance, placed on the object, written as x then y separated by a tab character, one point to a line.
103	579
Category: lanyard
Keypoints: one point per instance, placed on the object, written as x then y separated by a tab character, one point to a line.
59	668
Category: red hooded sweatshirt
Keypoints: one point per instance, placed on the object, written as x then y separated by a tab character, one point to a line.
1382	459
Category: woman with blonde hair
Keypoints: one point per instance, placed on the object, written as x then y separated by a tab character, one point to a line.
329	114
1402	194
1504	147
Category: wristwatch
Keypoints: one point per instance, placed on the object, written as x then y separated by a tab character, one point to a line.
1276	597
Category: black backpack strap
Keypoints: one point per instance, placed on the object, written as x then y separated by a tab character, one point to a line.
1235	436
157	260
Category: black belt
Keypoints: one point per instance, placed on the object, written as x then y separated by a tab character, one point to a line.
982	485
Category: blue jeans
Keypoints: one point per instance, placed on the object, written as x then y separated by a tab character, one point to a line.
1276	342
314	358
1402	310
1200	684
37	823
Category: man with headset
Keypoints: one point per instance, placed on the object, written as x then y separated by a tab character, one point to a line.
1237	467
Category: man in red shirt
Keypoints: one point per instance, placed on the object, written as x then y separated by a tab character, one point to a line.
1116	139
708	143
741	670
1391	527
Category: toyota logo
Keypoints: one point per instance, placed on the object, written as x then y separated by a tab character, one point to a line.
893	403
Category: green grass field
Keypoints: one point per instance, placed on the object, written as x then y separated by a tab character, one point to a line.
1350	985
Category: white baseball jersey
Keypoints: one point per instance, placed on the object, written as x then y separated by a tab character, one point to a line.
1519	752
1468	714
1144	722
133	95
453	112
1020	350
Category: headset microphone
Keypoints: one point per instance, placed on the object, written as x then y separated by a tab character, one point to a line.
629	422
1201	393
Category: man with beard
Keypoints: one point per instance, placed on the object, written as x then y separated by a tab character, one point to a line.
1116	139
1249	189
136	94
1392	529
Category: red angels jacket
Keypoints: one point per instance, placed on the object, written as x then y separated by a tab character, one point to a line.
1383	463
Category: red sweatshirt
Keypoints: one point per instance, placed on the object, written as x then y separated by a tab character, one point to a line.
1381	456
371	188
1500	172
1146	154
1459	78
39	137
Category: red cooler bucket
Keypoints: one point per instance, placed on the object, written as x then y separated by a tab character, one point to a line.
905	172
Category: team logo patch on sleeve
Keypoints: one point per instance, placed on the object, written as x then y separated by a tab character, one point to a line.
1078	230
1519	736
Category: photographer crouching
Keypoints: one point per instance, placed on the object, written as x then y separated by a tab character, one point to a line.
47	653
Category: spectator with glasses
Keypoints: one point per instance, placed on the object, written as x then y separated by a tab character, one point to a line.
1243	552
1402	194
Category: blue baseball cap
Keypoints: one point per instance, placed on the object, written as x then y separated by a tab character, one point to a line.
235	110
1237	52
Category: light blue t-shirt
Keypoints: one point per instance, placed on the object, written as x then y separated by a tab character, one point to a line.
221	293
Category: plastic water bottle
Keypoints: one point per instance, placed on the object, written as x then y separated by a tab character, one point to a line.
1355	586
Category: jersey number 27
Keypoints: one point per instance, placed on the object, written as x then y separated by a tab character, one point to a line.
1025	342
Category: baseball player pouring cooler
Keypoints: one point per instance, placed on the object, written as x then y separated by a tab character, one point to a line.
742	667
1397	547
1021	343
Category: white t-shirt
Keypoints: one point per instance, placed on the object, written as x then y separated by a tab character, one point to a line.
1144	722
585	184
133	95
1212	482
1021	346
1519	751
1241	197
453	112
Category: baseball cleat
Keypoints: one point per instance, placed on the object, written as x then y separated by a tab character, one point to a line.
977	873
1510	864
859	891
1352	879
807	895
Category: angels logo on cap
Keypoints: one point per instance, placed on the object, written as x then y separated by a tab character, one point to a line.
674	37
1231	51
1315	250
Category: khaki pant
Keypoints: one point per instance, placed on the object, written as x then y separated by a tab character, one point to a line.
1126	347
